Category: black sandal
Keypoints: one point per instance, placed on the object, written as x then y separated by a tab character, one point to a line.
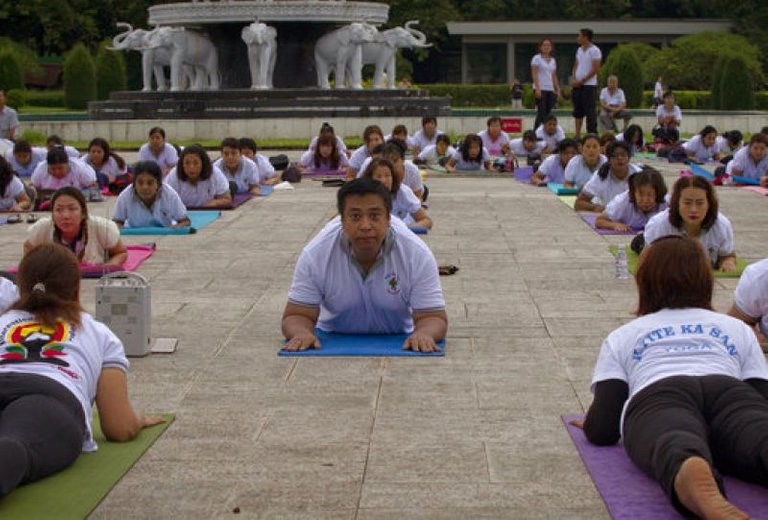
447	270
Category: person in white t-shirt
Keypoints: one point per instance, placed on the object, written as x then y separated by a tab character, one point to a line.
400	133
158	150
241	172
645	197
13	196
328	129
94	240
24	158
365	273
149	203
751	161
728	144
197	181
550	133
669	118
658	92
546	85
267	174
613	105
325	158
495	140
107	164
582	167
552	169
436	154
54	141
405	205
703	146
56	361
584	82
427	135
527	147
60	170
693	212
685	388
608	181
372	137
750	299
471	156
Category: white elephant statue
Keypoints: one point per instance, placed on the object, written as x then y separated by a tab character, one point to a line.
383	51
261	40
152	60
188	48
341	51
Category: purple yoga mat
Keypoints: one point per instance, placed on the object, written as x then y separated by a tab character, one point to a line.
590	219
630	494
523	174
237	200
324	173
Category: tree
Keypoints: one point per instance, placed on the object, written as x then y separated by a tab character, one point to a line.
689	61
736	89
624	64
79	78
717	81
10	72
110	72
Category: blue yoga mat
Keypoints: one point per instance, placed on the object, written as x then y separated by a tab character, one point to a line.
420	230
199	220
266	189
560	189
335	344
699	170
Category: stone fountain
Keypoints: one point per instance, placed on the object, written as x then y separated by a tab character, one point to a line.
267	58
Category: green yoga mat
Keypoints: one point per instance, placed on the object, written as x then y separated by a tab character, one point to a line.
568	200
632	264
76	491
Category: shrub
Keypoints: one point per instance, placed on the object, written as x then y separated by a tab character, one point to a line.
16	97
110	72
736	87
472	95
45	98
33	137
25	57
79	78
717	80
623	63
10	72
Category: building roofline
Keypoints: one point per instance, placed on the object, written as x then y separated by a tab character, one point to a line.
602	28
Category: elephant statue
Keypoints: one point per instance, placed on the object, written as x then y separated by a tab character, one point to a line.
382	52
261	40
188	48
341	51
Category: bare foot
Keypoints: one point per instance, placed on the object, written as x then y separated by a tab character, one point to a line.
697	490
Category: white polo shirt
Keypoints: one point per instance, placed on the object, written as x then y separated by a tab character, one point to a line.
584	59
340	146
403	280
197	195
494	146
411	177
263	167
552	168
695	146
550	141
13	190
9	293
717	240
577	171
518	148
545	70
620	209
751	295
431	157
103	235
422	141
661	110
110	167
37	156
165	212
614	99
245	176
80	176
471	166
358	157
307	160
168	157
405	204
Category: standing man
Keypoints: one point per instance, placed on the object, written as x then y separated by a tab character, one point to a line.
584	82
9	121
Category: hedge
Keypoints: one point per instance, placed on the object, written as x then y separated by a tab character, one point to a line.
736	88
110	72
625	65
45	98
10	72
79	78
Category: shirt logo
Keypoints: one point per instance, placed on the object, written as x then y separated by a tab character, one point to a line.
393	284
30	341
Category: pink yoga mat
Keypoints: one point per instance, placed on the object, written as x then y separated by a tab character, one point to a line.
756	189
591	218
630	494
136	255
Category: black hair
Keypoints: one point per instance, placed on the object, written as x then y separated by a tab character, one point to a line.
648	176
567	143
631	131
468	140
54	139
428	119
247	143
157	130
588	137
22	146
198	150
589	33
380	161
610	151
734	137
150	167
493	119
709	129
230	142
394	147
363	186
6	175
530	135
57	155
549	117
104	145
442	138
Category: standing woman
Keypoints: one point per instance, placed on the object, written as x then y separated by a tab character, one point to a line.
545	84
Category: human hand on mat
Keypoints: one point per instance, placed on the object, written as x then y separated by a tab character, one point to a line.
620	226
151	420
302	341
764	181
579	423
420	342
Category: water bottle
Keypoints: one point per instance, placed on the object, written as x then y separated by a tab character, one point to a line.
622	272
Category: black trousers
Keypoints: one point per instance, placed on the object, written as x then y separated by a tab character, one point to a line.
584	105
544	106
718	418
41	429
